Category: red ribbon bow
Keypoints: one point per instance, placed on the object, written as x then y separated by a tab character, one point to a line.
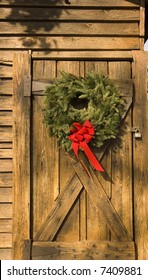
80	136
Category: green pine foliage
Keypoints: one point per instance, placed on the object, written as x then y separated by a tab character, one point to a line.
105	106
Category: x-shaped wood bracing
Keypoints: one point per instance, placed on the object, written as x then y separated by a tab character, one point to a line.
97	194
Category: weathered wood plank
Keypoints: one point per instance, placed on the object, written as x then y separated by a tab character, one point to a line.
5	240
5	145
5	71
44	71
126	86
95	216
26	249
142	24
61	207
140	117
5	179
71	228
6	165
84	3
120	70
45	183
83	216
38	88
6	153
45	159
70	28
142	18
6	118
83	232
70	43
6	211
96	66
104	250
5	102
5	195
6	226
6	57
122	166
93	55
6	87
5	254
69	14
100	200
21	161
6	134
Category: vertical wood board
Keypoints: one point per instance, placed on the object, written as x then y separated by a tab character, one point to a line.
45	153
140	147
71	227
21	160
122	157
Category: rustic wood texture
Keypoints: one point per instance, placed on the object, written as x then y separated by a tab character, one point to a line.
5	118
102	25
73	211
6	211
77	28
140	119
94	216
6	86
6	226
6	153
125	85
6	134
71	228
59	30
5	195
21	207
93	55
122	157
5	240
70	43
61	207
5	145
6	57
100	200
45	182
6	165
94	3
6	102
5	71
5	254
6	180
83	251
142	24
69	14
26	249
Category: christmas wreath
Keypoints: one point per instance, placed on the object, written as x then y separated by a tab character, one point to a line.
81	110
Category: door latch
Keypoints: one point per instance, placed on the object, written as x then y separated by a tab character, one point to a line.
137	132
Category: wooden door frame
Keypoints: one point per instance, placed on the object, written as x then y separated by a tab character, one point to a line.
140	175
21	162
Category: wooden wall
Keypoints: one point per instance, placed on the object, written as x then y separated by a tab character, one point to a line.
70	29
6	154
70	25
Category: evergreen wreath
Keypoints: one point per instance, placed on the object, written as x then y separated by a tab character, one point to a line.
73	99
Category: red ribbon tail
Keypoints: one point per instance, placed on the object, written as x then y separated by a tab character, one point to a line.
91	157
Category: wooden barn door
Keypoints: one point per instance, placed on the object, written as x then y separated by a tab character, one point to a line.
61	212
